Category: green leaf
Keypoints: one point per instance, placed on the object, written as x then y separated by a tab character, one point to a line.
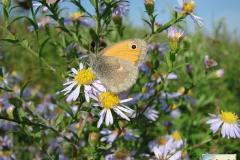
25	44
15	19
34	24
59	119
93	34
42	46
14	41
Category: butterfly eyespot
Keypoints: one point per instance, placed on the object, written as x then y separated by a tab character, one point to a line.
134	46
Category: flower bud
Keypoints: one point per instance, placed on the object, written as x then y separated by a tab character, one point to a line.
5	2
117	19
149	5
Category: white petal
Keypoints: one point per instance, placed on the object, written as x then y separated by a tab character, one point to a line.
120	113
80	66
109	118
231	131
95	104
223	131
102	115
87	97
68	88
237	130
213	120
99	87
126	100
125	109
67	83
74	71
74	95
228	130
103	139
105	131
197	19
180	2
216	126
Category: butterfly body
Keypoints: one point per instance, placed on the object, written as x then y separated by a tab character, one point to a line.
117	65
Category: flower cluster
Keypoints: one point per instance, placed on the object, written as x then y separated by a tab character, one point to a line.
95	90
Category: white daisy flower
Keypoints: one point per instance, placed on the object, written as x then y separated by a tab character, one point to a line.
187	7
163	153
125	155
82	77
151	114
110	101
160	142
177	139
109	136
228	122
168	147
175	112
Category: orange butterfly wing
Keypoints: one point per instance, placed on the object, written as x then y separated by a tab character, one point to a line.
129	50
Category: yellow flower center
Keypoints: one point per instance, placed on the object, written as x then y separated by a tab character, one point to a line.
108	100
76	15
229	117
176	136
85	76
173	106
162	141
188	7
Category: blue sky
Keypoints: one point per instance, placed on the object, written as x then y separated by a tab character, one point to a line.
210	10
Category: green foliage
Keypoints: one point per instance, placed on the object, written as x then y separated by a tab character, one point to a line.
43	57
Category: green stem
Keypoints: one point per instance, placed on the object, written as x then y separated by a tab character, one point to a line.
98	18
170	23
201	144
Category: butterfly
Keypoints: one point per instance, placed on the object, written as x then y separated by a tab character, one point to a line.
117	66
209	63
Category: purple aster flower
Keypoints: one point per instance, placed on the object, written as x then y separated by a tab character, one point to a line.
121	9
